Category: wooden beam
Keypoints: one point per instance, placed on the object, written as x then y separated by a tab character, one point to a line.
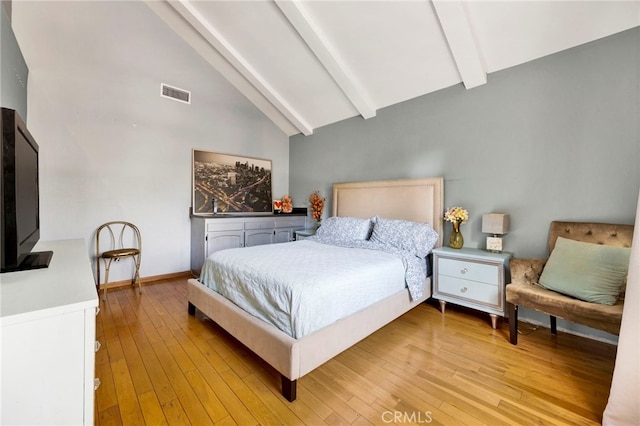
457	29
327	55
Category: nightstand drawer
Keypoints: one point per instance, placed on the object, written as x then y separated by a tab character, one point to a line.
472	291
469	270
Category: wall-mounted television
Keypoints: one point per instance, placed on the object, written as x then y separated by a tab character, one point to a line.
19	197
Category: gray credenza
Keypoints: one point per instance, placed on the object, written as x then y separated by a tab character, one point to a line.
210	234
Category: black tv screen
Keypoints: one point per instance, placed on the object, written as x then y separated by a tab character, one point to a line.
20	209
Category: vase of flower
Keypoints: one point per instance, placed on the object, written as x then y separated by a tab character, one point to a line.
456	240
316	202
457	216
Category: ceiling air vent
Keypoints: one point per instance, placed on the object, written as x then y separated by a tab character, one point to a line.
175	93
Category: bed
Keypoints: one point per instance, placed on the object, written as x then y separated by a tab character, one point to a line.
417	200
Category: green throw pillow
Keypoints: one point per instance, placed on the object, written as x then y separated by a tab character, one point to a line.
586	271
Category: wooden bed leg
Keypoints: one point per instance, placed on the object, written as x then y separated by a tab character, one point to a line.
289	388
513	323
191	308
554	329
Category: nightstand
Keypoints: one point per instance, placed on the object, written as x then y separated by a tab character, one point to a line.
471	277
304	233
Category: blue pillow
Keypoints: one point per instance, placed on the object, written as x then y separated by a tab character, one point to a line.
414	237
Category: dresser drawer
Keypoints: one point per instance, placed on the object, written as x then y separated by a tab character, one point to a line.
472	291
468	270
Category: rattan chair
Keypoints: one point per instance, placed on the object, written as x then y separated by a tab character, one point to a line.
115	241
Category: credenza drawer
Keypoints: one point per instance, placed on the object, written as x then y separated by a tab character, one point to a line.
262	224
224	225
291	222
472	291
467	270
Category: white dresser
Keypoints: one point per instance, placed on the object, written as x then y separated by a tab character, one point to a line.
48	340
471	277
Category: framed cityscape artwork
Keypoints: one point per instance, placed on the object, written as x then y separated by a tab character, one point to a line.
230	183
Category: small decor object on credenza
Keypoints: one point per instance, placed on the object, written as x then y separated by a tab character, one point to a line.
457	216
277	206
287	204
316	202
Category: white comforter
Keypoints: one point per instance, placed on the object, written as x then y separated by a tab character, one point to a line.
303	286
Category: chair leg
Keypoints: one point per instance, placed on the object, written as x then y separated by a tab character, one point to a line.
513	323
98	274
136	278
107	265
554	330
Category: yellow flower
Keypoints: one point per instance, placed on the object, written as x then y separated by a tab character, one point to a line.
456	214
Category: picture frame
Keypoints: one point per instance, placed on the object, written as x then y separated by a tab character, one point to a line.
230	184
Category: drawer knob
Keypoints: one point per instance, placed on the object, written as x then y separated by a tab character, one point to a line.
464	271
97	346
96	384
463	290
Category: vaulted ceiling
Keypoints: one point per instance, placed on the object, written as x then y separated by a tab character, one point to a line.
310	63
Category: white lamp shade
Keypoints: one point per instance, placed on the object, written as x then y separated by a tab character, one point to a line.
495	223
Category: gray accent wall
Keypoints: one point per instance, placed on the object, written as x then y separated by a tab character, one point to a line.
553	139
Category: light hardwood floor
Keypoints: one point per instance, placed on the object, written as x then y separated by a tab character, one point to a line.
158	365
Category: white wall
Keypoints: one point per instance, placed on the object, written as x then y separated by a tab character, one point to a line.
13	69
111	147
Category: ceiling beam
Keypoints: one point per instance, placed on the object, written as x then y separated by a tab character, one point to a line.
239	63
462	42
327	55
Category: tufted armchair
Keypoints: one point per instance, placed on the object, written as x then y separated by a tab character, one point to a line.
524	289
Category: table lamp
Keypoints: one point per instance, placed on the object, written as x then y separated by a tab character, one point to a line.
496	224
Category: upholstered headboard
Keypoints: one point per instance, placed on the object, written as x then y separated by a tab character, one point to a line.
418	200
